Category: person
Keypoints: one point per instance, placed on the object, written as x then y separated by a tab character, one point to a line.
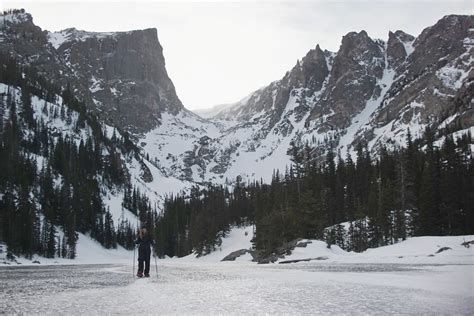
145	242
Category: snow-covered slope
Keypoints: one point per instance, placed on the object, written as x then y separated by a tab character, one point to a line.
414	250
156	185
89	251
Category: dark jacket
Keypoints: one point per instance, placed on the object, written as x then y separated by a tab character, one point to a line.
144	243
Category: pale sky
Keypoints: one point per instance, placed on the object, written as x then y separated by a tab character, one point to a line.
219	51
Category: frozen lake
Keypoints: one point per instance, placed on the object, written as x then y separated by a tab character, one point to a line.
240	288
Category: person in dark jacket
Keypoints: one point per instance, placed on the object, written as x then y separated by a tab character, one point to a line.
145	242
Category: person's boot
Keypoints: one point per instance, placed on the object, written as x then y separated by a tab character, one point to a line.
147	275
139	274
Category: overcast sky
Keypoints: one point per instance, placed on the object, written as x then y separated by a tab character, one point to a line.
218	52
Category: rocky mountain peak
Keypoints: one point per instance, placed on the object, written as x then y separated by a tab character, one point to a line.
355	45
23	40
357	53
398	47
314	55
120	75
434	73
444	39
356	67
125	74
310	72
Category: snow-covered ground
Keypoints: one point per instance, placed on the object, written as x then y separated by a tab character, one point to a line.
184	287
406	278
415	250
88	251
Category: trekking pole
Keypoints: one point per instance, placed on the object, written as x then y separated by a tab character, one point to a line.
133	269
135	246
156	264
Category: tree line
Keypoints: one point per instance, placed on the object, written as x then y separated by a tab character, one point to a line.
424	188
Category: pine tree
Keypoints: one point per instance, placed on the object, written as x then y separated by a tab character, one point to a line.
64	247
428	206
51	243
109	232
58	248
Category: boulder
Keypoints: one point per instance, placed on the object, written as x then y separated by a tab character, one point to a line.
303	244
443	249
234	255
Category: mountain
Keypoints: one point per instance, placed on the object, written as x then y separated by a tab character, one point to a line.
64	172
94	138
121	75
369	91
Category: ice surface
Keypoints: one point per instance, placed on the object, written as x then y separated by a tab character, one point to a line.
240	288
396	279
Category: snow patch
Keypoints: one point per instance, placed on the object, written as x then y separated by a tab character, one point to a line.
59	38
88	251
414	250
452	77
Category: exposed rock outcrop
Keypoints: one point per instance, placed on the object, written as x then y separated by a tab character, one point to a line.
238	253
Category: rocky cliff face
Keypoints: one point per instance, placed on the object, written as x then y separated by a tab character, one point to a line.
357	66
436	73
121	75
124	73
